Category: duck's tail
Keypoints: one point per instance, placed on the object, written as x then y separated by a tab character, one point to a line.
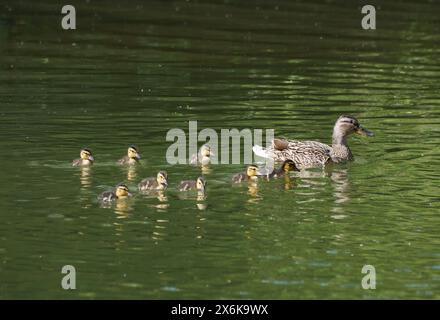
262	152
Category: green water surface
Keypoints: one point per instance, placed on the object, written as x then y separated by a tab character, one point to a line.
133	70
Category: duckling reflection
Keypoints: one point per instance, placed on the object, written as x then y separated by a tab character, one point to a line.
201	200
161	196
160	229
123	208
253	189
132	173
288	183
163	199
206	170
85	177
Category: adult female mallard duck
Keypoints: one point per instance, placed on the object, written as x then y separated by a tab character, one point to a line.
86	158
159	182
120	192
199	185
307	154
251	174
203	157
132	156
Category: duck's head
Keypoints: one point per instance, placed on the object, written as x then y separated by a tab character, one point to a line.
122	191
346	125
133	153
86	154
162	178
205	150
289	165
201	184
252	170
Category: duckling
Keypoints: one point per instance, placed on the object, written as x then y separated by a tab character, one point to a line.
199	185
132	156
250	174
120	193
203	157
308	154
286	166
86	158
160	182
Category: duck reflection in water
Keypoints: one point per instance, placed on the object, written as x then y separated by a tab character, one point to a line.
123	208
161	196
341	185
85	177
132	174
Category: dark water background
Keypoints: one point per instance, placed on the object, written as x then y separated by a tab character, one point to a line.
133	70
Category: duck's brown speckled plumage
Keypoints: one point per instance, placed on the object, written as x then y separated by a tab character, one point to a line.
187	185
160	182
307	154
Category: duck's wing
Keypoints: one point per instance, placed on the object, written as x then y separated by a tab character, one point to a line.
147	183
239	177
76	162
305	154
107	196
194	159
185	185
123	160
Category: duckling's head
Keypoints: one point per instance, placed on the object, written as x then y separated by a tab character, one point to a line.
86	154
252	170
346	125
205	150
162	178
133	153
289	165
201	184
122	191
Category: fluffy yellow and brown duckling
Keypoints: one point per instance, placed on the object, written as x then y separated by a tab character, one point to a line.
120	192
187	185
160	182
132	156
286	166
250	174
203	157
86	158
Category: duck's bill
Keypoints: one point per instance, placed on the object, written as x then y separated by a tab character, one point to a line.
91	158
364	132
138	156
